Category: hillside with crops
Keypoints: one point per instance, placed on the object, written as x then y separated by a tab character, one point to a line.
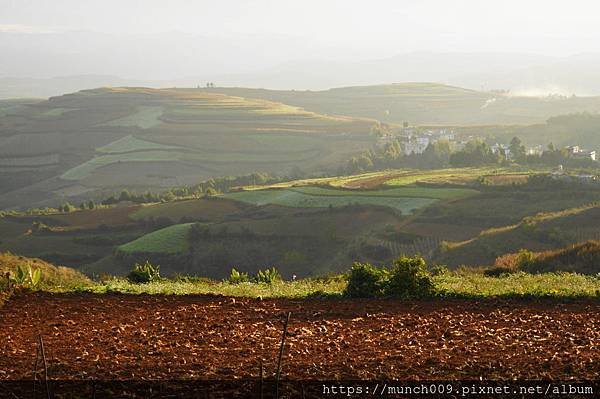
426	103
79	145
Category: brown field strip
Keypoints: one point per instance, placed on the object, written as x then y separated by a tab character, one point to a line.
159	337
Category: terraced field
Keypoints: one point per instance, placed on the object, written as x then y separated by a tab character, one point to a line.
425	103
453	176
412	177
147	138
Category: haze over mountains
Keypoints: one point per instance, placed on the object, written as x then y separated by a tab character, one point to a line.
47	64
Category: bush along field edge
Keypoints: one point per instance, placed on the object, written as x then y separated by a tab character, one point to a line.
408	278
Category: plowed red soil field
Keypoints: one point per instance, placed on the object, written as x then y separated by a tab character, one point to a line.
155	337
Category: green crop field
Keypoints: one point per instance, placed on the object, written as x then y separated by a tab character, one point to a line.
172	239
296	199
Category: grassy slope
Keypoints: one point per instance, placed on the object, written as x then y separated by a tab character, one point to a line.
172	239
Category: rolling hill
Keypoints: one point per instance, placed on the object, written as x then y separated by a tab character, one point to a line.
426	104
94	141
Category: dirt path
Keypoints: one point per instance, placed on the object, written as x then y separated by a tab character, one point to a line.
120	336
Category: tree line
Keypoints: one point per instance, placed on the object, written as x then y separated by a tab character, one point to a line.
441	154
208	188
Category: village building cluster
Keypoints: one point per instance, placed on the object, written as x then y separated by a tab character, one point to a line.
414	141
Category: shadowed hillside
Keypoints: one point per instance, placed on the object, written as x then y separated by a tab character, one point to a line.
543	232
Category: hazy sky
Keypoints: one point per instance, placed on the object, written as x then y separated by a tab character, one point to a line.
547	46
358	27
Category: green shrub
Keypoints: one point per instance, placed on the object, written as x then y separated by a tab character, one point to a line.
20	275
438	270
267	276
35	276
497	271
525	259
409	278
236	277
145	273
365	281
26	276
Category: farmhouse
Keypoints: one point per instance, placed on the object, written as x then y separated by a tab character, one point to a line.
502	149
535	150
576	152
416	145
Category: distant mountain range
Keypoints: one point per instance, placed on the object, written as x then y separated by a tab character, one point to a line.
47	64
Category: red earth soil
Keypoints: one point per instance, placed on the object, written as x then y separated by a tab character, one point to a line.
164	337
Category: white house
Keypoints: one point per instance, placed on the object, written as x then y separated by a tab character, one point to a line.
576	152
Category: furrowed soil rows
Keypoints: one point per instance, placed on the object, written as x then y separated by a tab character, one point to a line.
159	337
